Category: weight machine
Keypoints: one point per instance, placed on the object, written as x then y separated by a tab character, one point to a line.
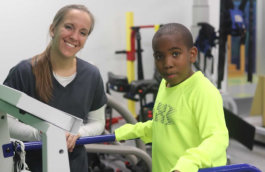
52	123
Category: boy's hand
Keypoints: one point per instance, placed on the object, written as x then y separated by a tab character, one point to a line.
71	140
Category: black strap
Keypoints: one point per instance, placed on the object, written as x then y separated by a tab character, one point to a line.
250	42
139	55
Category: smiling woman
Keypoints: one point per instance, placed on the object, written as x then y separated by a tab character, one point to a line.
67	26
70	35
64	81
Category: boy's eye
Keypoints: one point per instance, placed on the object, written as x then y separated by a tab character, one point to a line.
158	56
175	54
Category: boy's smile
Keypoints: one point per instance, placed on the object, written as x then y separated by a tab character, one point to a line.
173	58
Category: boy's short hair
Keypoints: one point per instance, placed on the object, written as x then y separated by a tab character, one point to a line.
177	28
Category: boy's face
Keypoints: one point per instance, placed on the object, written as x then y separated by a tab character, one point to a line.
173	59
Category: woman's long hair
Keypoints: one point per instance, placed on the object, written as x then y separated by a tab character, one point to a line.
41	64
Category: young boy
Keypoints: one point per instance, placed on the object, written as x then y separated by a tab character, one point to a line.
188	130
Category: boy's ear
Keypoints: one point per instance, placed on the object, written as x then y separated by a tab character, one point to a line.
193	54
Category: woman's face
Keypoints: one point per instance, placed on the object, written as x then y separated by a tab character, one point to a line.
71	33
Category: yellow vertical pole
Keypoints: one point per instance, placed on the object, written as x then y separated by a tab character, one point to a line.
130	64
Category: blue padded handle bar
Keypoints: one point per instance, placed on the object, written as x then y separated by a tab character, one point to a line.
8	150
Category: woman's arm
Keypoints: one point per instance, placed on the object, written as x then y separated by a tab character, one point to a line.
95	124
21	131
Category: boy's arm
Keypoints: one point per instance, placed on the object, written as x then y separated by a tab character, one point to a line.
138	130
213	132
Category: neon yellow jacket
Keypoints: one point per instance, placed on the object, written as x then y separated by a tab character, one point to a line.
188	130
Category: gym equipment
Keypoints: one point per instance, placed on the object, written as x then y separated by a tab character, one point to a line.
135	90
134	154
99	148
251	41
240	129
257	107
51	122
38	145
133	36
232	168
233	23
130	50
111	137
237	37
225	26
256	121
205	41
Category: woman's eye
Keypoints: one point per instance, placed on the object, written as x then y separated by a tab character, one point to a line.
68	27
83	33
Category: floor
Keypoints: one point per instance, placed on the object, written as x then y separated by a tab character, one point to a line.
239	154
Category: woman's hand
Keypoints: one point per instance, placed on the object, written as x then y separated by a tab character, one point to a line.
71	140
